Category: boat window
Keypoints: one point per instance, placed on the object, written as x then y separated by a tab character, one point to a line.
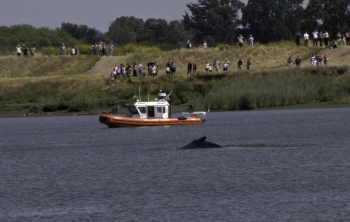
133	110
159	109
142	110
150	111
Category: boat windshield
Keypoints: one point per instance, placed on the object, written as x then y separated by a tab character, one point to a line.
142	110
133	110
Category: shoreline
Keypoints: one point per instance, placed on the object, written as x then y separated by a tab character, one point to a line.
177	109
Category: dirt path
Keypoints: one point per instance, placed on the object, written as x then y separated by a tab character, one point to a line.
331	54
106	65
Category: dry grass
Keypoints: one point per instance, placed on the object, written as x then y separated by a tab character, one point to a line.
58	80
263	57
43	66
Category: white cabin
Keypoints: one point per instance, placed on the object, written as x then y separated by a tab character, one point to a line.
160	109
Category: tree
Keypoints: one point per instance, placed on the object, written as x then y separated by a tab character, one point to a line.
155	31
270	20
125	30
177	35
81	32
215	18
332	16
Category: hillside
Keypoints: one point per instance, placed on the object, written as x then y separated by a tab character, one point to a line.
105	65
51	83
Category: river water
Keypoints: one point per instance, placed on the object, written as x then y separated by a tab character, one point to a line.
275	165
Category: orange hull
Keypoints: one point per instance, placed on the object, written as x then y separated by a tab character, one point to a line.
117	121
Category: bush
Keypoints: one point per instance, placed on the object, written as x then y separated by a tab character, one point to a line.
247	101
222	47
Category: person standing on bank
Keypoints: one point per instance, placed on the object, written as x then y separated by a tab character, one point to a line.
290	62
320	38
240	41
297	61
110	49
134	70
249	62
326	38
76	50
189	67
240	63
19	51
140	69
306	39
63	49
226	65
194	67
325	59
251	41
103	49
315	38
25	51
216	64
297	39
205	45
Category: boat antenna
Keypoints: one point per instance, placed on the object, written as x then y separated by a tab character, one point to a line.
140	93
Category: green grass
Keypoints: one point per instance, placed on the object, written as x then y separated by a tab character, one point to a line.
50	83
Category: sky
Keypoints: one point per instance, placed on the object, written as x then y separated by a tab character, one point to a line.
96	14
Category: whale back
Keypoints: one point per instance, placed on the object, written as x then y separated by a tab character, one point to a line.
200	143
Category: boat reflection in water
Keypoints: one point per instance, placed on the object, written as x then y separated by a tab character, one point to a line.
155	113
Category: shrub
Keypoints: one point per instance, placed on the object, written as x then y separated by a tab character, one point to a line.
223	46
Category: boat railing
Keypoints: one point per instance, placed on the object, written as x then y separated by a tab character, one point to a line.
201	114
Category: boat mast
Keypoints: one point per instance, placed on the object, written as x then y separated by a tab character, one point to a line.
139	93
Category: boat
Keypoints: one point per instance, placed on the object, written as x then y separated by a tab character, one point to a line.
154	113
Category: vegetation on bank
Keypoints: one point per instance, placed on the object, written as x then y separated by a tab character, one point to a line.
213	21
50	83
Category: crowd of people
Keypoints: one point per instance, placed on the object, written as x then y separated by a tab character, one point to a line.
240	39
323	39
315	60
74	50
101	49
151	70
24	49
123	71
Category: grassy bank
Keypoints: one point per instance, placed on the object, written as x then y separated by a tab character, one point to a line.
276	89
50	83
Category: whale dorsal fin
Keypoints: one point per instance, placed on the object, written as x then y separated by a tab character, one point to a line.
202	139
